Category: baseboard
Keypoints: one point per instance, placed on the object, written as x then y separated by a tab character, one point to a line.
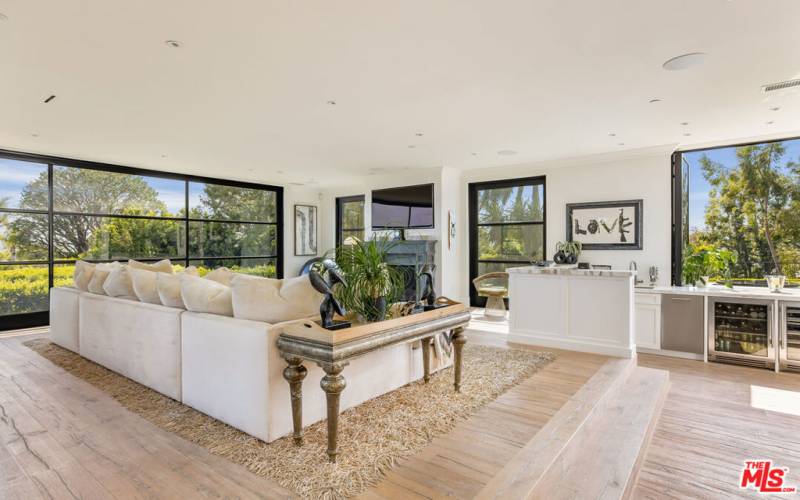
671	354
571	345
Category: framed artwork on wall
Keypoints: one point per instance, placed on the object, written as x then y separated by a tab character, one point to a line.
305	230
606	225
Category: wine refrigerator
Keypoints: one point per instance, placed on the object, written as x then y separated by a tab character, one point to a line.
741	331
789	340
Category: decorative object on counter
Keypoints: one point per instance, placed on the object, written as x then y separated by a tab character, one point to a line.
494	287
542	263
606	225
652	273
584	265
325	285
372	284
775	282
567	252
704	262
305	230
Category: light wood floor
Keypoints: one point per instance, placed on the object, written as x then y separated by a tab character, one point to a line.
61	438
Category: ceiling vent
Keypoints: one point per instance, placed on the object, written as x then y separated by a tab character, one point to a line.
787	84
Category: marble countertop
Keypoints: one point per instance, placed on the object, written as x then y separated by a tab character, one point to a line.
743	292
572	271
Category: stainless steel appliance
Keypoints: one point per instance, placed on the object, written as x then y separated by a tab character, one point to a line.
741	331
789	340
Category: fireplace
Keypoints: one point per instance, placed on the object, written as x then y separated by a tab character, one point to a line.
410	257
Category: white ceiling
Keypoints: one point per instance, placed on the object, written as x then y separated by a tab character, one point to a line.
246	95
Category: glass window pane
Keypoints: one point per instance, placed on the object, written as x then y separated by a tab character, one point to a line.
93	191
511	242
116	238
23	289
511	204
23	184
215	201
353	215
257	267
23	237
223	239
349	235
492	267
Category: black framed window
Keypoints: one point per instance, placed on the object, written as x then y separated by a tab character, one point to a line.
507	226
349	218
54	211
743	199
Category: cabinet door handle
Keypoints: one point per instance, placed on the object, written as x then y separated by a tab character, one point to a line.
682	299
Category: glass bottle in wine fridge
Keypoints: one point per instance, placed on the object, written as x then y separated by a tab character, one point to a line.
789	341
740	331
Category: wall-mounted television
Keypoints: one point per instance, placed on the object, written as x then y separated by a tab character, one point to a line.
408	207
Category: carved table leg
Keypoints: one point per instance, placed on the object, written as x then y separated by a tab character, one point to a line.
333	383
294	374
459	340
426	359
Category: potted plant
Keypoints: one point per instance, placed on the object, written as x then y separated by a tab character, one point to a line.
704	262
372	284
567	252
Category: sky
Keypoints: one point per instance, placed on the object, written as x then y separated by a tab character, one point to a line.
699	187
14	175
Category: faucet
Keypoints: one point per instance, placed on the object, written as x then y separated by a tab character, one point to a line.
633	267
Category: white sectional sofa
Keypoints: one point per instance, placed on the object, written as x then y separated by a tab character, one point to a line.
225	367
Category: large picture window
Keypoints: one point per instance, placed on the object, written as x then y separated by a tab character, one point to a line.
507	226
349	219
54	211
741	200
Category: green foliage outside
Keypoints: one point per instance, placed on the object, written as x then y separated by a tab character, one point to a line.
25	236
515	242
754	213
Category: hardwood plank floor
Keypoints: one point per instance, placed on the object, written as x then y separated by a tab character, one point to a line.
62	438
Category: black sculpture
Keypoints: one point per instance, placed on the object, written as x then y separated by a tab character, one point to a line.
324	285
427	293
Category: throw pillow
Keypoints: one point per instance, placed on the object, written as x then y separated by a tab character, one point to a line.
169	287
221	275
162	266
144	285
272	300
83	275
118	284
99	276
205	296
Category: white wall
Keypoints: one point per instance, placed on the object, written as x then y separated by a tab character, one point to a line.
639	174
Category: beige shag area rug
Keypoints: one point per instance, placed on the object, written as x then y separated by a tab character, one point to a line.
372	436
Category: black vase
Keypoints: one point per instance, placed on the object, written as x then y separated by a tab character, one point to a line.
560	257
572	259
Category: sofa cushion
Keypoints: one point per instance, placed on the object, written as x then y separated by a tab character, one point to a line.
82	275
273	300
144	285
205	296
118	284
169	287
162	266
99	276
221	275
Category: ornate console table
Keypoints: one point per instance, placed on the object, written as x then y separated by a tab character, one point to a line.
332	350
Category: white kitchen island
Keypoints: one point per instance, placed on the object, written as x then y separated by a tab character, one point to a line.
585	310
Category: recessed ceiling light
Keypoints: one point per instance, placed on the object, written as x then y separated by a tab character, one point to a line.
612	134
331	103
34	135
685	61
687	134
280	171
474	154
164	156
506	152
770	122
684	123
419	134
411	146
172	43
655	100
774	109
620	144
